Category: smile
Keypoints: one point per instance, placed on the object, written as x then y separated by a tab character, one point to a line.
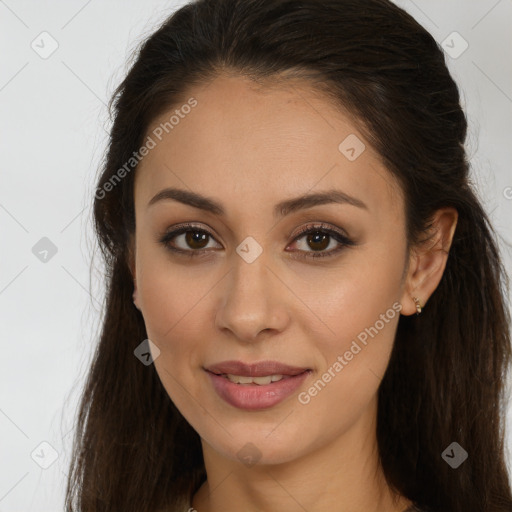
255	386
260	381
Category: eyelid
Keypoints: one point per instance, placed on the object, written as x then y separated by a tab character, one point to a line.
318	226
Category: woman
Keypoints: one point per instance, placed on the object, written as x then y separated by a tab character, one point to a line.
306	304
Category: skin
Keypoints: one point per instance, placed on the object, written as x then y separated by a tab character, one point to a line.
249	148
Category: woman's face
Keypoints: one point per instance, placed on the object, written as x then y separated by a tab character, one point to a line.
316	311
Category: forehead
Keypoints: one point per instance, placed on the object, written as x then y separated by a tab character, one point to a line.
262	142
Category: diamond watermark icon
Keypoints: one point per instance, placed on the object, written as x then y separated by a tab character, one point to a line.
147	352
249	454
249	249
454	455
351	147
44	455
455	45
44	45
44	250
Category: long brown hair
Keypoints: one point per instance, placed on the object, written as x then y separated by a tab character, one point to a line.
133	450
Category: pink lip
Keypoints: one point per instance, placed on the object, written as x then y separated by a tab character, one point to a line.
254	396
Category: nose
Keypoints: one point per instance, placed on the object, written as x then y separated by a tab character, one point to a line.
253	301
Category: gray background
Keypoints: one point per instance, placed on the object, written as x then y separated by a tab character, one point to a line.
54	126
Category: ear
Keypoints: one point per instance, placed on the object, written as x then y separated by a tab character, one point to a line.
427	260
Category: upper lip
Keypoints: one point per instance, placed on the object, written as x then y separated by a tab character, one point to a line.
260	369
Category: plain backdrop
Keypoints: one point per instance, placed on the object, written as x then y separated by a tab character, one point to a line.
54	125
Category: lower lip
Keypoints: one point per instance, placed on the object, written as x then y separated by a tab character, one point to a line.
255	397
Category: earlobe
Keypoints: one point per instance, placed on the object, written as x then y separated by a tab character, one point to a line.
429	262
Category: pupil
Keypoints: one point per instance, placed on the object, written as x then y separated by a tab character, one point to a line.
193	237
318	237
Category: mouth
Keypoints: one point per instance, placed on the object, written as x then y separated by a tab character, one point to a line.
258	381
260	373
255	386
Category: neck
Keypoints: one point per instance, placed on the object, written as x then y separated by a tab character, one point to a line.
343	475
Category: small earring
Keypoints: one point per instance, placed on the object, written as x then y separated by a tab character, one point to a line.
418	305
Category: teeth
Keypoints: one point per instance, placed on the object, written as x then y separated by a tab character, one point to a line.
261	381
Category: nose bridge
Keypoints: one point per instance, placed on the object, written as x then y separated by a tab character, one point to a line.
249	277
251	302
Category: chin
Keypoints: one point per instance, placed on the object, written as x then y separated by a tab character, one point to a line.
258	445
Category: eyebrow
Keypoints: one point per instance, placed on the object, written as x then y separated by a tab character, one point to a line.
280	210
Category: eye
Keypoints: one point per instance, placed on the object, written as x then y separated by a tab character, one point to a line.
320	237
192	241
188	240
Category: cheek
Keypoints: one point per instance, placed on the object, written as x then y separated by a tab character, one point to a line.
353	310
171	295
354	356
174	300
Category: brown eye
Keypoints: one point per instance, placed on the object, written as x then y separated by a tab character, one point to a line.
196	239
193	242
188	240
318	241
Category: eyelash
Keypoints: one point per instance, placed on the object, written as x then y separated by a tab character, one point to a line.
343	240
